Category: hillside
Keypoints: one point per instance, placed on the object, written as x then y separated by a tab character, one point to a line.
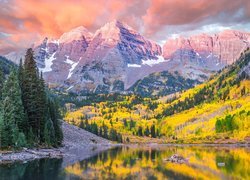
6	65
218	110
161	84
215	111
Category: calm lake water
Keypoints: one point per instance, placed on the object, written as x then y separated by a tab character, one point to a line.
141	163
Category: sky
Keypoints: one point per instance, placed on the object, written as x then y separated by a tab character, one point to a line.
27	22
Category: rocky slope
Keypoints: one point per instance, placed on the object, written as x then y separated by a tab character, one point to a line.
78	144
112	50
115	57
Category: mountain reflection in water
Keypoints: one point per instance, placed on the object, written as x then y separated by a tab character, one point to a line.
146	162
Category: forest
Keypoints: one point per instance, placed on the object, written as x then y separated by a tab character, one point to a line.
29	114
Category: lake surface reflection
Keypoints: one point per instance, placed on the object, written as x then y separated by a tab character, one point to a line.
145	162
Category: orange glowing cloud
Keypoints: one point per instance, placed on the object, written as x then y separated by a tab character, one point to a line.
178	12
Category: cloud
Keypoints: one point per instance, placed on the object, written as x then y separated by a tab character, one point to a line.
28	21
190	14
52	18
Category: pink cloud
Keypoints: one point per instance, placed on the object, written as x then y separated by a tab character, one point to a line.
27	21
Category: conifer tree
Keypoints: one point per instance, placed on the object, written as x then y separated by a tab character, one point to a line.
153	133
30	86
13	117
147	132
29	114
1	82
140	131
41	107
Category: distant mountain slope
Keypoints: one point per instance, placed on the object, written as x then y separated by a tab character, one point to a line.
162	83
6	65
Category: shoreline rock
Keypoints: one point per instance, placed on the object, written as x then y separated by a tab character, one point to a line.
177	159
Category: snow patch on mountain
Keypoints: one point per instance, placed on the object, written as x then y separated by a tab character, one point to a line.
134	65
152	62
55	42
69	88
48	63
75	34
73	65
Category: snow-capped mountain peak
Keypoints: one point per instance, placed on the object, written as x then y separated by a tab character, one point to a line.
116	56
78	33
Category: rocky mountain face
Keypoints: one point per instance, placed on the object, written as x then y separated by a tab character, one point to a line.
116	57
113	48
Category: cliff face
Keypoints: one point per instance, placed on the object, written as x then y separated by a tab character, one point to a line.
224	47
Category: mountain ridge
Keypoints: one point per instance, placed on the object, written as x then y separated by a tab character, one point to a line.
116	54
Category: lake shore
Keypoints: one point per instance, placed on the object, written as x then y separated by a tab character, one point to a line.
78	144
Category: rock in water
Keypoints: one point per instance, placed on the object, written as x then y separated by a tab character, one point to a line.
177	159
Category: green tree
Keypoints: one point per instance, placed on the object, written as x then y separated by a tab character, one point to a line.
153	132
140	131
12	111
30	92
218	126
147	132
1	82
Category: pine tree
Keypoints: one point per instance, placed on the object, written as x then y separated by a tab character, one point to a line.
54	116
30	86
218	126
140	131
13	117
41	107
49	133
153	133
105	131
147	132
113	135
1	82
5	129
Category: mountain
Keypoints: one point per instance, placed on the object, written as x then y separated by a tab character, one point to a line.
116	57
113	49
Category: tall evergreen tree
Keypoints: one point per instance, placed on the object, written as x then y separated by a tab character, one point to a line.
1	82
30	86
153	132
28	111
147	132
13	117
41	107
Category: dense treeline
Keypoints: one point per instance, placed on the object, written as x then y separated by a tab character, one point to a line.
29	114
118	117
102	131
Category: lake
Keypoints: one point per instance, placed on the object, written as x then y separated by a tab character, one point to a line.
141	162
